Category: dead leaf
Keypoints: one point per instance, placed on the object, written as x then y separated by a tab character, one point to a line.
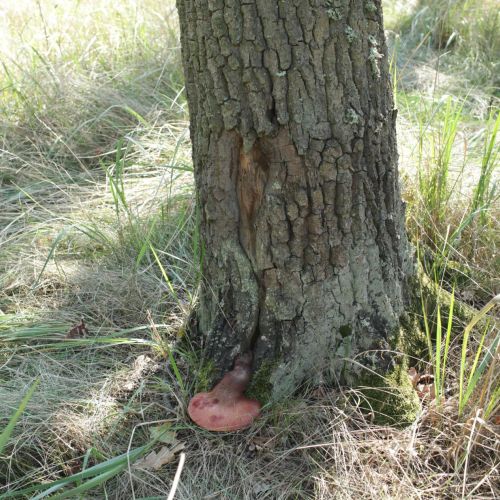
425	387
413	376
426	379
263	442
426	391
77	331
163	434
423	384
155	460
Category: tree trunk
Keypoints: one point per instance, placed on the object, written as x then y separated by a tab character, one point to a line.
294	146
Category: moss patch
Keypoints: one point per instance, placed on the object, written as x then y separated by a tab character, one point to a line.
345	331
432	293
411	338
392	398
260	386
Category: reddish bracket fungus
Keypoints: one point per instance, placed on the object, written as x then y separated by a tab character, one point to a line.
225	408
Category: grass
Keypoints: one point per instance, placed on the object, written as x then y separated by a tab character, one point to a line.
452	191
476	365
6	433
97	220
469	382
461	36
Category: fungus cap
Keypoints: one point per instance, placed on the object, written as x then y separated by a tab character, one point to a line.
225	408
214	414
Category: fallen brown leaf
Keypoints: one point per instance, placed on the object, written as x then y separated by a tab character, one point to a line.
155	460
426	391
77	331
423	384
413	375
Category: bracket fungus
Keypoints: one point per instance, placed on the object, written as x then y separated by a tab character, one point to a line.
225	408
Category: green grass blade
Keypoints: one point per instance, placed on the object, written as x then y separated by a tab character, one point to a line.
492	405
53	247
164	273
447	339
6	433
87	485
463	363
175	368
482	195
475	375
136	115
115	464
477	356
146	244
437	366
425	318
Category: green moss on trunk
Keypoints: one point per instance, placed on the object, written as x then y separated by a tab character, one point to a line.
391	399
260	386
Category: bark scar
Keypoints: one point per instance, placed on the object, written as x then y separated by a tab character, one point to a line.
251	182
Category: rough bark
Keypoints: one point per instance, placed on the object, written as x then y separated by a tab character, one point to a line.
294	150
